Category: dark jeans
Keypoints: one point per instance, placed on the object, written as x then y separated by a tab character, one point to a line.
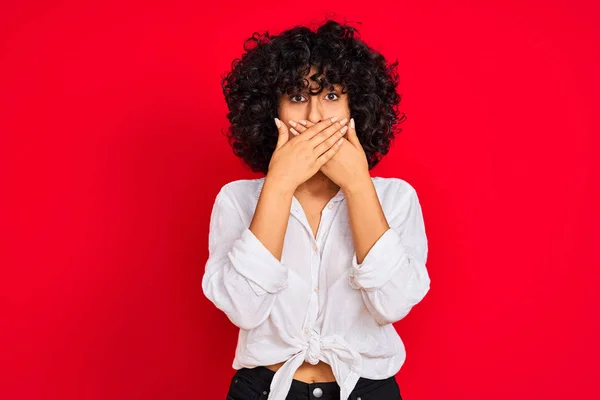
254	384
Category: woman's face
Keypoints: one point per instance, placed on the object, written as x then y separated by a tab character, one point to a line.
314	108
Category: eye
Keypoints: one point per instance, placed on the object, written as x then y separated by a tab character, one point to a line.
294	96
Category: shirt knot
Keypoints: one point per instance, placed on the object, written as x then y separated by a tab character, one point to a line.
314	348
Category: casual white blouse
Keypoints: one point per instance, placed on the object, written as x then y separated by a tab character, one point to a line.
318	303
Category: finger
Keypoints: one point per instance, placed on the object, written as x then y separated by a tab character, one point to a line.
328	155
299	128
283	133
352	137
318	127
307	123
330	141
294	131
329	131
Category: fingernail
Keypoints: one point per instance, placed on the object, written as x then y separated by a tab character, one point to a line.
295	132
303	122
292	123
333	119
352	123
278	123
344	129
343	122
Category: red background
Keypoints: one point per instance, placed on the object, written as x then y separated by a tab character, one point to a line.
111	156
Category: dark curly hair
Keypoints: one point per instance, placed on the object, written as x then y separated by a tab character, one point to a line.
275	65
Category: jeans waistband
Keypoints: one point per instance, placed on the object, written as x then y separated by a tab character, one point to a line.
264	376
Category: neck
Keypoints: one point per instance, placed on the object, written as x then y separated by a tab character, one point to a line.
318	185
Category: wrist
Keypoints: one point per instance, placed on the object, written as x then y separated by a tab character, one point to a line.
280	185
357	185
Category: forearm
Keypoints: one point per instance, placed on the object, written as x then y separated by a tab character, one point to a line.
367	220
392	275
271	216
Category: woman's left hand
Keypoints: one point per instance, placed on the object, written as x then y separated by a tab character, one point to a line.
349	165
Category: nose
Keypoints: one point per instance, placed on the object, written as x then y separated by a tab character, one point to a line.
315	113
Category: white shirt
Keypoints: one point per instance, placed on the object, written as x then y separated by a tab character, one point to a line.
318	303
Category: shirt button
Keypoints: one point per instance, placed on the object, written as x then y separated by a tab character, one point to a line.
315	247
317	289
306	330
318	392
330	206
358	398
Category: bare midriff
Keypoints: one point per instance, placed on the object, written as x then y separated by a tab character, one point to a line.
309	373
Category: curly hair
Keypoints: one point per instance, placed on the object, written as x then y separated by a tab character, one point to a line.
275	65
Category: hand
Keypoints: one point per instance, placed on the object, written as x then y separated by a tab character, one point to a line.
349	165
297	159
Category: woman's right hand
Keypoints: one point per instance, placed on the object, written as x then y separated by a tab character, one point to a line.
297	159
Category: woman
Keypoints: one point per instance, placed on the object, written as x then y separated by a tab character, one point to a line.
316	260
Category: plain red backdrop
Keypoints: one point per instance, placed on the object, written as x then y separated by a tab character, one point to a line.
111	156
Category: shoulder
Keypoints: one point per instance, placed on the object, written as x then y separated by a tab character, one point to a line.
393	187
404	214
397	196
241	191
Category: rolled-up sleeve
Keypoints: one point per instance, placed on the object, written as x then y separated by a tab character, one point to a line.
393	276
242	277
